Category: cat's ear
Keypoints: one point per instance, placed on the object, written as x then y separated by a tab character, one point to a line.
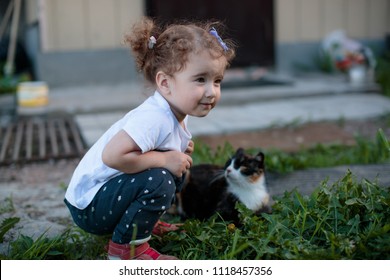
260	157
240	151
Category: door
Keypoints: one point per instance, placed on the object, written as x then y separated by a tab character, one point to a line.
249	22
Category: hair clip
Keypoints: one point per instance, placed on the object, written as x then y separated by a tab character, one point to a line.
152	42
214	32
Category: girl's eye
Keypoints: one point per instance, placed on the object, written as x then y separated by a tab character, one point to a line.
201	80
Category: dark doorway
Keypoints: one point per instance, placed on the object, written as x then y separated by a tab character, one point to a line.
249	22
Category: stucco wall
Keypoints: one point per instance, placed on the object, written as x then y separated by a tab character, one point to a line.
311	20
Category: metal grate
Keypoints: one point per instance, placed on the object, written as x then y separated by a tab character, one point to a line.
36	139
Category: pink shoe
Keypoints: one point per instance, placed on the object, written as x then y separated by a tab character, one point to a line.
161	228
140	252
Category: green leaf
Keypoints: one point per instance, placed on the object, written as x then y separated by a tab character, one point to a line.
351	201
6	225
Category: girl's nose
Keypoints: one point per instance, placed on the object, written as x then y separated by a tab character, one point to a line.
211	91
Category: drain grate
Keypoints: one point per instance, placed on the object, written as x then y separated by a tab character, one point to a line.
36	139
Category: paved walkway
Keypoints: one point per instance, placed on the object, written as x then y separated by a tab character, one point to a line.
240	109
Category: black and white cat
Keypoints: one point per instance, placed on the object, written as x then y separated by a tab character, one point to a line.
212	188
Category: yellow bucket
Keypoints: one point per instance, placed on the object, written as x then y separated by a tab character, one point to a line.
32	94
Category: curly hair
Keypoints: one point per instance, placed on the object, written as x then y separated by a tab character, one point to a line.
173	45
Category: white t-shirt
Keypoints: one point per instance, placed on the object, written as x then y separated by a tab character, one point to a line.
152	125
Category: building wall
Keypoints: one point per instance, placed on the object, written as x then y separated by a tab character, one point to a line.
94	26
81	41
311	20
86	24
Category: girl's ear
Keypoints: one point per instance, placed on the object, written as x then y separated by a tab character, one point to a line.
162	82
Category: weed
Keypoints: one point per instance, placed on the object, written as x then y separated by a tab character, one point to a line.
7	205
204	154
347	220
364	152
25	248
382	73
73	244
6	225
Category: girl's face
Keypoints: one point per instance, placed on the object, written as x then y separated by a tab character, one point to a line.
196	89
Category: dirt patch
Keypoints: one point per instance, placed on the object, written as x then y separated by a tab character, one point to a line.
34	193
294	137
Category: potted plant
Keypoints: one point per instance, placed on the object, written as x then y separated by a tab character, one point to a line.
8	87
350	57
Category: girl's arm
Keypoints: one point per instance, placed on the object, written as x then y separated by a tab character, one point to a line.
123	154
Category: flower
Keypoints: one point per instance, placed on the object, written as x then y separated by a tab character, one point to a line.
345	52
350	59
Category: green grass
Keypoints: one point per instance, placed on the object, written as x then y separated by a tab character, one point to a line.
382	73
347	220
364	152
344	220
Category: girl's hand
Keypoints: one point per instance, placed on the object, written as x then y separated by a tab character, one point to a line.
190	148
177	162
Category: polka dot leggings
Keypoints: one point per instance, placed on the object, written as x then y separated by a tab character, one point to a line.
129	205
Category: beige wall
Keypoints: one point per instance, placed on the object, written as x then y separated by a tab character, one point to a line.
86	24
311	20
100	24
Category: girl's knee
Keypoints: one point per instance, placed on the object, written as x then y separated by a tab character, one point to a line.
164	180
159	188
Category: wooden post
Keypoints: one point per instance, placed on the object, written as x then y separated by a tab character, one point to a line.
9	66
5	20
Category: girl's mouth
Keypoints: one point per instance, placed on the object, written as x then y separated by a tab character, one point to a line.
207	105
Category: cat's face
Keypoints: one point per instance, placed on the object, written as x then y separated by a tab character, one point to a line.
243	168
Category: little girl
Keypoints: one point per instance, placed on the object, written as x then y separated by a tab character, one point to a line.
129	177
